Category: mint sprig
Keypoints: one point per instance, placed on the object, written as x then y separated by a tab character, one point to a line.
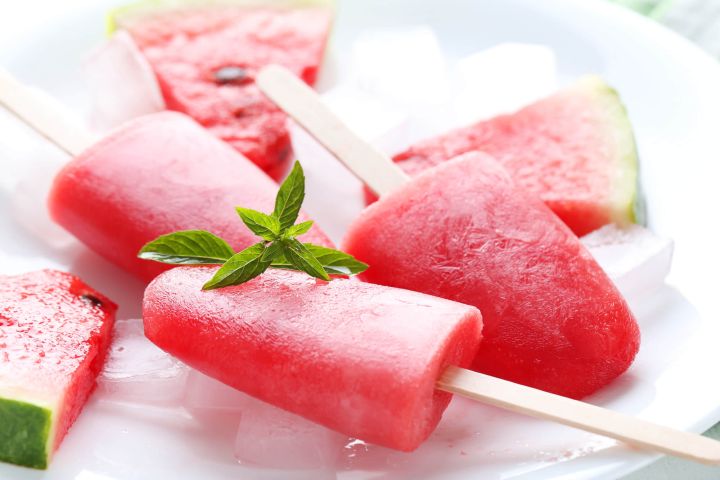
188	247
278	248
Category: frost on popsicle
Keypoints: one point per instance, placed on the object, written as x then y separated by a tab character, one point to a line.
137	371
278	246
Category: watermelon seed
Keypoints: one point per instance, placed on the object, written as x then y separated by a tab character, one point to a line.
92	299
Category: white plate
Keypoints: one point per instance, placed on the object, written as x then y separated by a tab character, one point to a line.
672	91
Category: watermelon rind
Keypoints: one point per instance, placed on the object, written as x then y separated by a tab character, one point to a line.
626	201
125	15
25	433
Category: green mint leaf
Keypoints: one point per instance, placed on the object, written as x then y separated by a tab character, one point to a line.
335	261
299	229
265	226
273	252
240	268
300	257
187	247
290	197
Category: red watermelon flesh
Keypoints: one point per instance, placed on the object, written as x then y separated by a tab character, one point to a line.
206	59
156	175
552	318
574	149
54	334
358	358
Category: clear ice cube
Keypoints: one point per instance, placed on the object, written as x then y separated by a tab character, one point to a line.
29	198
269	436
137	371
204	393
501	79
405	67
121	83
634	257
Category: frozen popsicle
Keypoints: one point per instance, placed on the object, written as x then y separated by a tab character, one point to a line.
368	361
156	174
553	319
463	231
54	334
359	358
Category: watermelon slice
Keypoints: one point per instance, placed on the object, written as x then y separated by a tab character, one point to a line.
575	149
54	334
206	55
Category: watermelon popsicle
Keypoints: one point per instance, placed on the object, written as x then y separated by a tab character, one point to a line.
553	319
359	358
153	175
372	362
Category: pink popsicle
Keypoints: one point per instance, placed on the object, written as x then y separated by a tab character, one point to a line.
359	358
463	231
155	175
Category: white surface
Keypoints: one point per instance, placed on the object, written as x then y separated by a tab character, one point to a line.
671	91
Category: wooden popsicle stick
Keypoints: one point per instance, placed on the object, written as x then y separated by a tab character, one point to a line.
302	104
585	416
383	176
44	114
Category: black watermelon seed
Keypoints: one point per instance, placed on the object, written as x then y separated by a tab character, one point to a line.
92	299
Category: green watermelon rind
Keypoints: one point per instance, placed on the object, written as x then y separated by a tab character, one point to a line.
626	202
122	16
25	433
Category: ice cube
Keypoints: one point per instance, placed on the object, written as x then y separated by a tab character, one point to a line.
267	436
29	197
271	437
500	80
634	257
29	166
204	393
405	67
121	83
334	194
373	119
137	371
